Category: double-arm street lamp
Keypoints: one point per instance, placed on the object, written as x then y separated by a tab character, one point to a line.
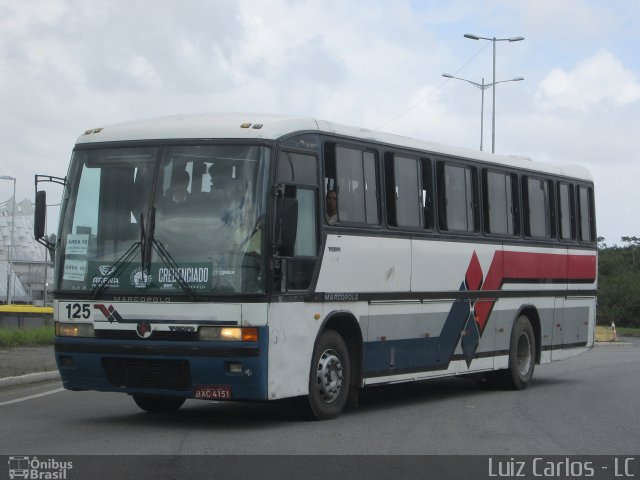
482	86
13	221
493	115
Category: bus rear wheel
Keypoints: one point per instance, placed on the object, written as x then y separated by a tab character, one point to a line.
158	404
329	376
522	355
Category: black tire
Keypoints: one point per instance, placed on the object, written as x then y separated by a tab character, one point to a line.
522	355
158	404
329	376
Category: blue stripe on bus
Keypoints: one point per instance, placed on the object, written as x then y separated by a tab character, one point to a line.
430	353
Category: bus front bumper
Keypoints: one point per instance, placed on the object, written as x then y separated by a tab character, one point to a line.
205	370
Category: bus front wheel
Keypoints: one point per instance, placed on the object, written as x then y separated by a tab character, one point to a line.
329	376
158	404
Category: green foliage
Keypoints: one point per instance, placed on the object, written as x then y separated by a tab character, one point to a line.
619	283
628	332
26	337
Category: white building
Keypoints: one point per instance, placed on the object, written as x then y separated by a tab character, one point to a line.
31	261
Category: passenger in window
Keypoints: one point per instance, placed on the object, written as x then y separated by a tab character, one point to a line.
226	181
222	174
174	223
332	207
228	193
177	196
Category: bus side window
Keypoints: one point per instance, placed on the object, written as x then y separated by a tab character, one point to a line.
538	201
500	212
404	197
300	268
566	208
457	195
405	191
294	270
297	168
352	174
426	193
586	214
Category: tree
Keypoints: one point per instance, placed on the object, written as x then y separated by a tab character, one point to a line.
619	282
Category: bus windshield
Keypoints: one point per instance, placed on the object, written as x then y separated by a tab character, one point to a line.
184	219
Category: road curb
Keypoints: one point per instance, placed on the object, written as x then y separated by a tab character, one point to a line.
29	378
615	344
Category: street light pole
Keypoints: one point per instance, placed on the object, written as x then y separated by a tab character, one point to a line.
493	114
13	222
482	86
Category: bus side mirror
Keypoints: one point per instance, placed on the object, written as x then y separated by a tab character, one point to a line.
39	221
40	216
287	226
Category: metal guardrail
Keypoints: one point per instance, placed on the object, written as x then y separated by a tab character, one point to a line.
25	316
26	309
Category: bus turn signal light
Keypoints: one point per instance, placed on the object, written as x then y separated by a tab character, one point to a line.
229	334
250	334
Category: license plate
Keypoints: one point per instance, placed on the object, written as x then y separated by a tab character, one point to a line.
209	392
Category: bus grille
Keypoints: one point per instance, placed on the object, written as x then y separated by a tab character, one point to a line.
146	373
156	335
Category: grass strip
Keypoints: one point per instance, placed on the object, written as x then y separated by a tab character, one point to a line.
26	337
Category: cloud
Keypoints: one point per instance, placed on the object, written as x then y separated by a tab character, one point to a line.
600	79
67	66
566	19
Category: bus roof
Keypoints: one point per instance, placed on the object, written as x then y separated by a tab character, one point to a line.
272	127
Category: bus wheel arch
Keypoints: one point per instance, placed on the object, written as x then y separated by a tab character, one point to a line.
347	326
335	370
534	319
523	350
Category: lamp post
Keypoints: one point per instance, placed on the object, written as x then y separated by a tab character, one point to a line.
13	221
482	86
493	115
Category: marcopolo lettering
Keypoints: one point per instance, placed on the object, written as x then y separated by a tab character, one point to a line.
340	297
143	299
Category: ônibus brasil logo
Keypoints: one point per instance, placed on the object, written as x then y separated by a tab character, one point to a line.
33	468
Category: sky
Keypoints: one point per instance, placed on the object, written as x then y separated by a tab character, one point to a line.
67	66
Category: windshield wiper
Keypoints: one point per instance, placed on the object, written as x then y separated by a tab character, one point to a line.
147	244
116	269
165	256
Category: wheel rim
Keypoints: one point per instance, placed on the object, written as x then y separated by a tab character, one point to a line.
524	354
329	375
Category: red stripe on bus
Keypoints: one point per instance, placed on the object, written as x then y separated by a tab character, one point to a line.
532	266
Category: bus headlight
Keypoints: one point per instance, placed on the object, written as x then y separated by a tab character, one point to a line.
231	334
74	329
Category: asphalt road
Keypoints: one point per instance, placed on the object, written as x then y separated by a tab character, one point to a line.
587	405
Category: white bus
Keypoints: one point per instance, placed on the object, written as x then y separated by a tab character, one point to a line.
254	257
